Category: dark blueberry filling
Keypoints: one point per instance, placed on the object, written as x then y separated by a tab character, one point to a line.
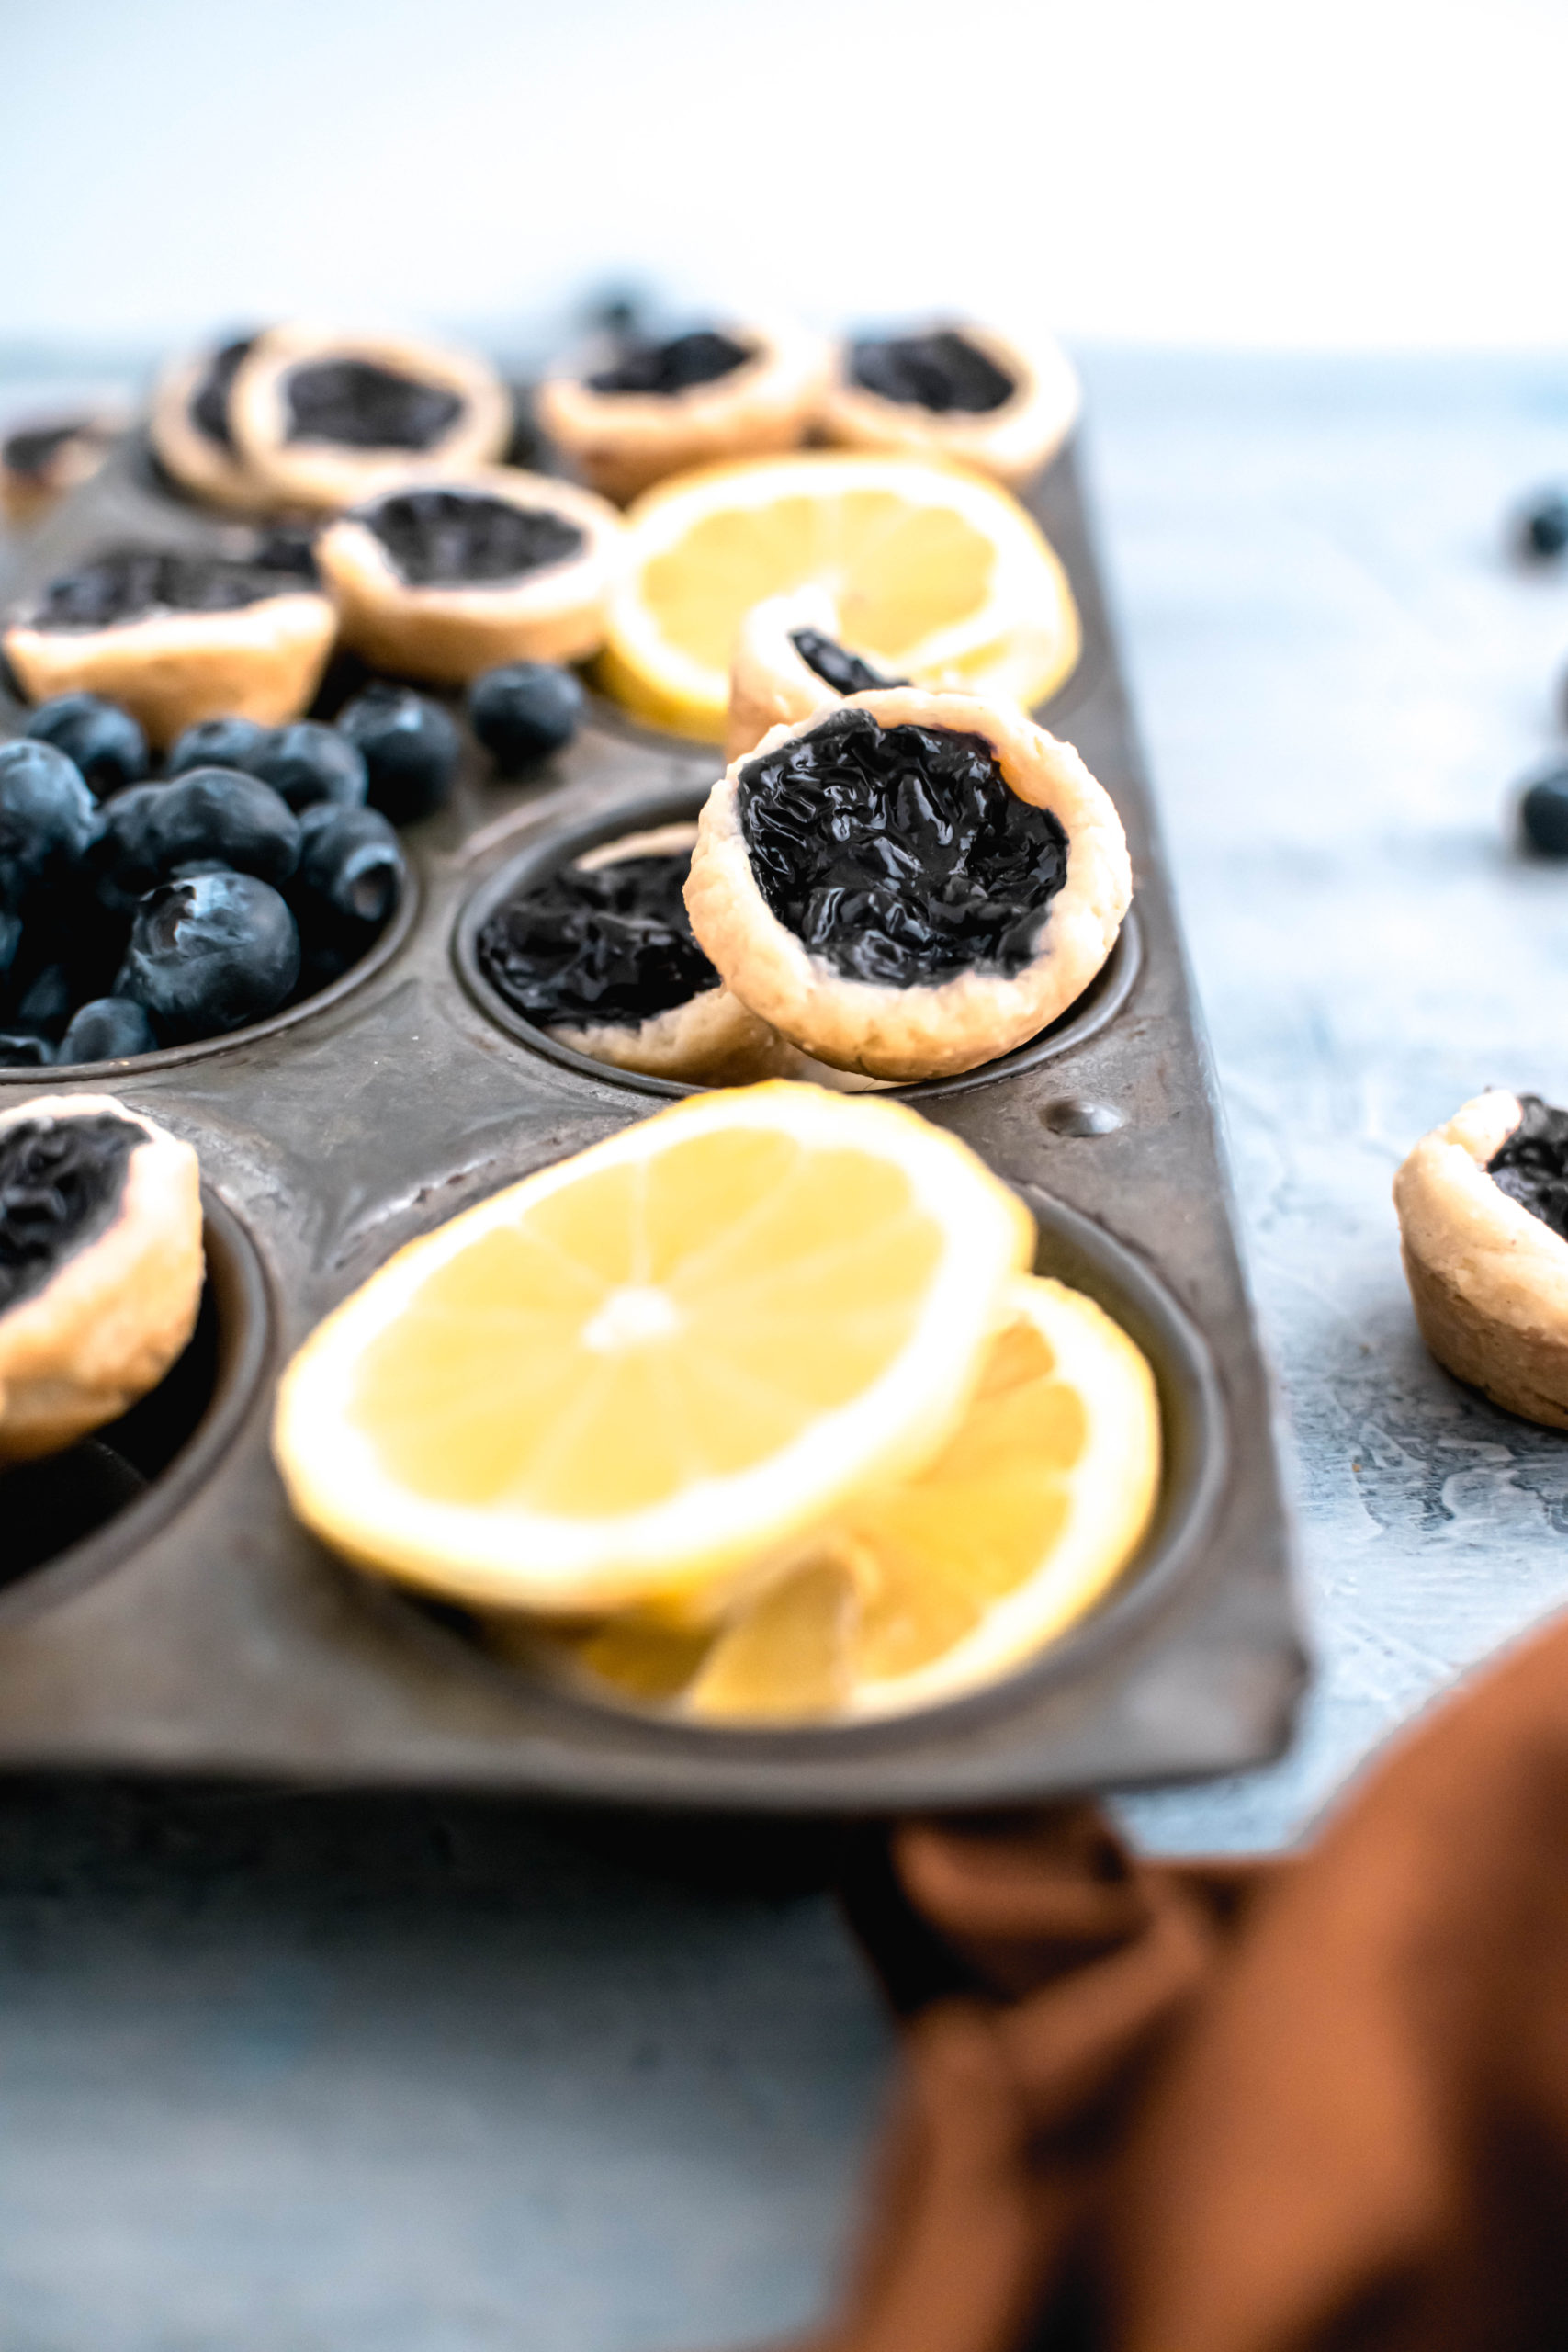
209	402
845	671
612	946
944	372
366	407
61	1181
34	452
134	581
673	367
1532	1165
439	537
899	853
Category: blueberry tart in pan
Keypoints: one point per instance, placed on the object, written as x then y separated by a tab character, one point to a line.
320	417
962	391
789	661
600	957
658	408
175	637
192	432
40	463
909	884
100	1265
1482	1205
445	580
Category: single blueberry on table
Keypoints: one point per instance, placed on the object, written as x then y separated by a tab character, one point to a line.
411	748
19	1052
524	711
1540	531
306	762
209	955
47	819
215	817
1543	814
220	743
351	871
107	1030
101	740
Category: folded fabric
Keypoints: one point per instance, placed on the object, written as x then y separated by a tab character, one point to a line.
1311	2105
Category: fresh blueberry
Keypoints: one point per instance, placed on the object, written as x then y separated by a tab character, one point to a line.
351	870
98	738
1541	530
107	1030
210	954
123	861
1543	813
10	940
525	710
306	762
47	819
18	1052
215	817
220	743
411	748
45	1007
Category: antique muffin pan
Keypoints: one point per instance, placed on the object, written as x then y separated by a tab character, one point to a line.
159	1609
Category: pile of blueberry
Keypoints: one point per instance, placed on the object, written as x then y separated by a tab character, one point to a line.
261	863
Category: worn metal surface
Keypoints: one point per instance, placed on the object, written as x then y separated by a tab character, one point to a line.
233	1642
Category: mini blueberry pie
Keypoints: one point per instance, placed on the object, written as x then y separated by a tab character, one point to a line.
788	661
909	884
445	580
100	1265
175	637
659	407
957	391
40	464
192	432
1482	1205
600	957
321	418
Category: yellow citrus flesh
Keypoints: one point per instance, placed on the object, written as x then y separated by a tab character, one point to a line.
931	1585
619	1379
937	574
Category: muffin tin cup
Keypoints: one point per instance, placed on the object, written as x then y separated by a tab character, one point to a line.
202	1629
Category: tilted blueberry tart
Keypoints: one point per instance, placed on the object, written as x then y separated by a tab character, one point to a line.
962	391
789	661
191	428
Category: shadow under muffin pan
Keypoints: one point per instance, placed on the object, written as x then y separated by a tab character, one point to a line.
202	1630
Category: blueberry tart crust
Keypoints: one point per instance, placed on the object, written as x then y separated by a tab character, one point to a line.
320	418
444	579
175	638
962	391
789	661
41	463
658	408
191	428
100	1265
607	942
909	884
1482	1205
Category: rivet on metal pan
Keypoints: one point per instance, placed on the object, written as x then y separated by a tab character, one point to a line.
1075	1115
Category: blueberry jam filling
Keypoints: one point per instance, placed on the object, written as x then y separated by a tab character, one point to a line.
61	1181
1532	1165
132	583
701	358
845	671
613	946
210	402
944	372
364	407
438	538
34	451
899	853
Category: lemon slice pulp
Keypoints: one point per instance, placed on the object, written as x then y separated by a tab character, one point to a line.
936	575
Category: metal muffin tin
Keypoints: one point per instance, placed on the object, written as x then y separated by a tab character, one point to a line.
201	1630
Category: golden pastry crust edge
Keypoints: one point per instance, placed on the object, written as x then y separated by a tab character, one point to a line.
927	1031
118	1311
710	1040
1488	1280
770	684
1011	443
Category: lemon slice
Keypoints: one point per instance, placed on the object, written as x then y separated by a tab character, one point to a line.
941	1582
680	1349
935	574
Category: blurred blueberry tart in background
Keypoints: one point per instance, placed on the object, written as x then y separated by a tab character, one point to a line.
657	407
100	1265
443	580
1482	1205
961	392
909	884
319	417
42	461
789	661
176	636
192	433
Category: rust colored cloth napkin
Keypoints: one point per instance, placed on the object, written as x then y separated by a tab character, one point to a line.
1317	2105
